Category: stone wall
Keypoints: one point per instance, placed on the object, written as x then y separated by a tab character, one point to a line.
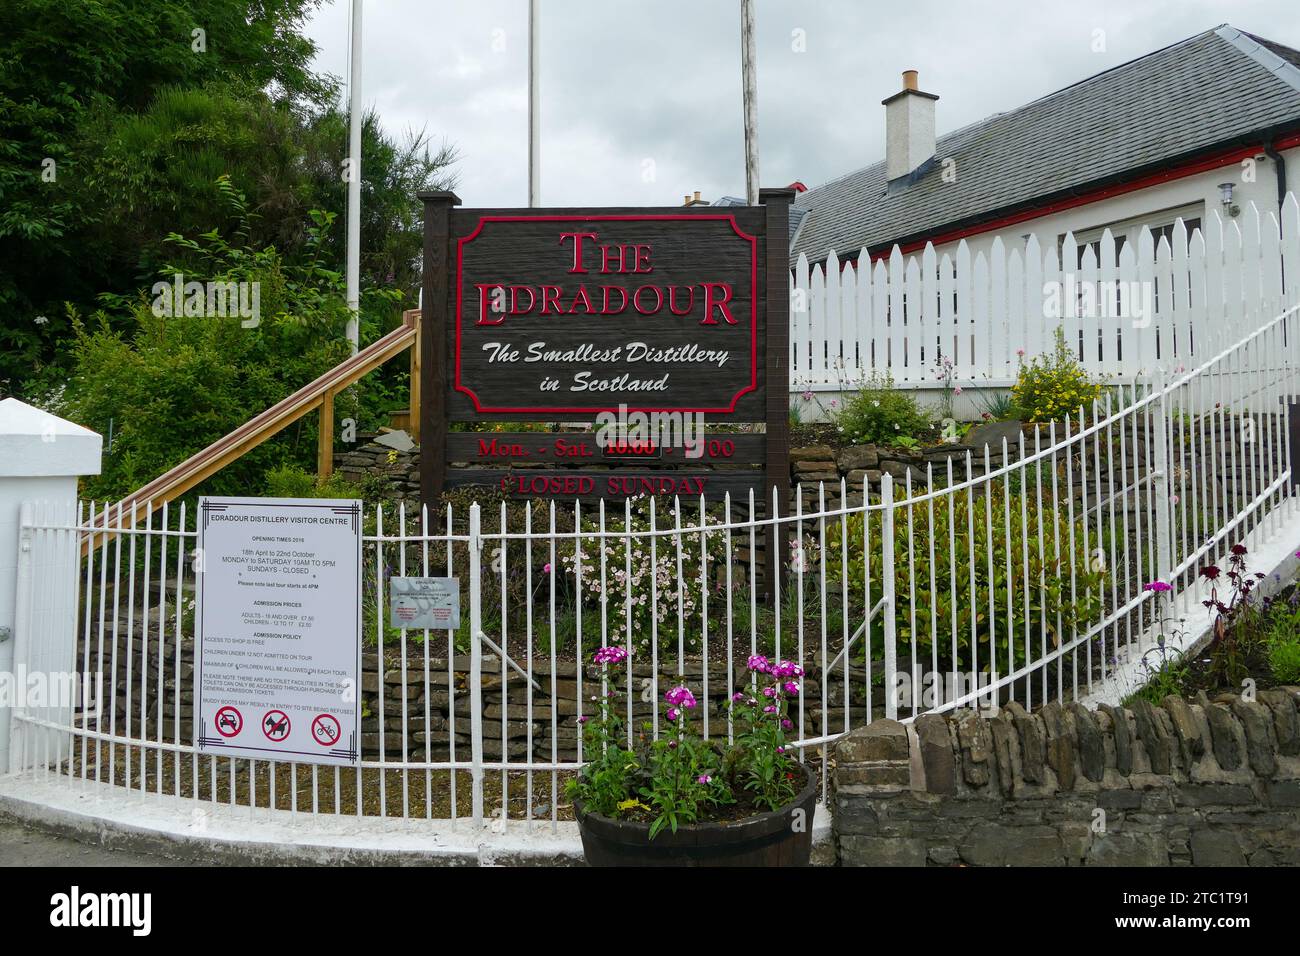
1205	783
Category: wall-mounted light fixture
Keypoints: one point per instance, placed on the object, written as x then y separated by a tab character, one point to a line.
1225	197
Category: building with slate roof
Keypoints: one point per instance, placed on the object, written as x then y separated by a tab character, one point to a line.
1209	122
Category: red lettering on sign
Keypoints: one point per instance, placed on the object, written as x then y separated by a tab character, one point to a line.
672	299
605	309
659	299
710	301
577	238
581	297
484	298
550	297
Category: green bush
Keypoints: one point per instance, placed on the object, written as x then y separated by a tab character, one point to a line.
880	414
1055	602
1052	385
1284	661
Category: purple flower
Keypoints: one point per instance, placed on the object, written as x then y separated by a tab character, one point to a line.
672	713
737	697
770	709
758	662
791	687
780	750
583	719
786	724
1158	586
680	697
672	745
609	655
704	778
769	691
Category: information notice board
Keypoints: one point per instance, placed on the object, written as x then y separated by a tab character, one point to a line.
278	617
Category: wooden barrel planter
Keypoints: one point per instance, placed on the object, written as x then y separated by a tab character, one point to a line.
768	839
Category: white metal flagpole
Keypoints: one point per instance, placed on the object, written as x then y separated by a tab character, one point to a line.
749	92
354	183
534	105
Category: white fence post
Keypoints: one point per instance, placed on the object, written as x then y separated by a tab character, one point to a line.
476	665
887	595
1160	478
41	457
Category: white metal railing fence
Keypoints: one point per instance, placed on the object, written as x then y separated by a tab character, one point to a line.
985	311
1015	574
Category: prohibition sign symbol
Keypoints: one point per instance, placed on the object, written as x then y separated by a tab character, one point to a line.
325	730
229	722
275	725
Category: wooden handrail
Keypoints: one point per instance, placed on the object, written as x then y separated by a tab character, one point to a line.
318	394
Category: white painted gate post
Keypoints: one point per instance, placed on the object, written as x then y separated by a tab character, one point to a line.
476	665
41	458
887	589
1164	535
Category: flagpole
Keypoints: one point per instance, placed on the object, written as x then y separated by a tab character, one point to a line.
534	105
354	184
749	93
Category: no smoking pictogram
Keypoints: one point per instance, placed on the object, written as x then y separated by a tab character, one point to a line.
275	725
229	722
325	730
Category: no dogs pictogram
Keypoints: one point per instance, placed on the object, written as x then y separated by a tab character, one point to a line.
229	722
275	724
325	730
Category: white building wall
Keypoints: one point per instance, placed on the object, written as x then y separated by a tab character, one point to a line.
1149	202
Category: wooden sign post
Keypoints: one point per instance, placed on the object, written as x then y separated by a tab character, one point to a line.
647	325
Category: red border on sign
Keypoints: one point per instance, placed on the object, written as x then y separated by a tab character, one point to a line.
753	310
217	721
316	720
288	727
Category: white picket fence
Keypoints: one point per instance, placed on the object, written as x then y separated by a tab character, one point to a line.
986	313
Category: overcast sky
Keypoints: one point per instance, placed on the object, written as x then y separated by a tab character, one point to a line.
641	98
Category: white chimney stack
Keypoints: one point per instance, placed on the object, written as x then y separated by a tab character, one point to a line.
909	128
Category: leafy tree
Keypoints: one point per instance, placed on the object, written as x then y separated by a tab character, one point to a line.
173	384
62	61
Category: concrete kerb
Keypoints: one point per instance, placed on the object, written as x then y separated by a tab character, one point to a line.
203	834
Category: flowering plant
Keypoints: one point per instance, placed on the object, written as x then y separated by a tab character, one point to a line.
1233	618
680	777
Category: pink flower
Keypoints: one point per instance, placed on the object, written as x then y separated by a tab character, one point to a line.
791	687
680	697
957	390
703	778
1020	351
1157	586
786	724
609	655
672	713
758	662
547	568
770	709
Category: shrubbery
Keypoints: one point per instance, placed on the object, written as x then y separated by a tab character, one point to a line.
878	413
1055	601
1052	385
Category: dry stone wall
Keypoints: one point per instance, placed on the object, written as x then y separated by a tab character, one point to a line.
1201	782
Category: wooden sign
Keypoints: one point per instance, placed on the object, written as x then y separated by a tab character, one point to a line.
679	316
564	314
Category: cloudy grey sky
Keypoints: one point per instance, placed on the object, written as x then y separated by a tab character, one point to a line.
641	98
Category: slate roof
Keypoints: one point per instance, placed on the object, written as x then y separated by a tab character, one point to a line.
1212	90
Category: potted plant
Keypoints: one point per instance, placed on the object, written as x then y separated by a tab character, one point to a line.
681	800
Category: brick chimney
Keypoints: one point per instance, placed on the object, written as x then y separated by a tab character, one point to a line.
909	128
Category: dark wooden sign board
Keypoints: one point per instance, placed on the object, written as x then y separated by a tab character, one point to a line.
565	315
